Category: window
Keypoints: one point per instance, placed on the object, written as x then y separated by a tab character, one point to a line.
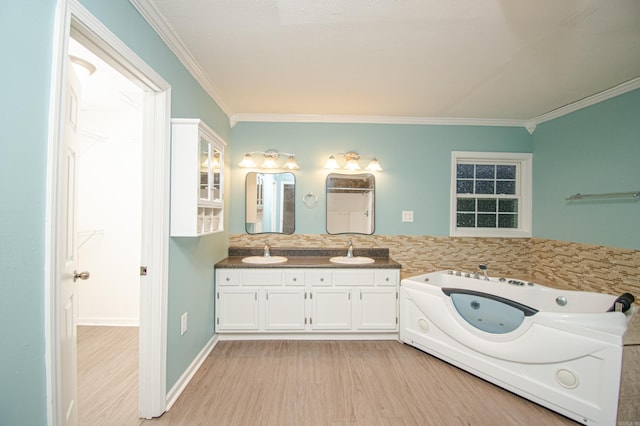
490	194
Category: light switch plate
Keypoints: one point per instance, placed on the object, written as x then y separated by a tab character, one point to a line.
407	216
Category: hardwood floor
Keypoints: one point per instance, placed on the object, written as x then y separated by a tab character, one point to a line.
108	376
342	382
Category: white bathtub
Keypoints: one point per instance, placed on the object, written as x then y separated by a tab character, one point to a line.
558	348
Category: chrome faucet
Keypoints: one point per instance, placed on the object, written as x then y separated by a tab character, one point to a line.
267	252
483	268
350	251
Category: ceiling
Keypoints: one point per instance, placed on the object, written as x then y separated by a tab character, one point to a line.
462	59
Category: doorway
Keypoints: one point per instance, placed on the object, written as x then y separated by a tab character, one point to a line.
109	212
73	20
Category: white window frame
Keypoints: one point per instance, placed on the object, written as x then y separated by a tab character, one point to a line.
524	163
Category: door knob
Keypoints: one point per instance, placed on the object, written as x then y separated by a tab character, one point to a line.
84	275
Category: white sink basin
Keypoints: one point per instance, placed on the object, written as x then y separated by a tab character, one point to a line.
356	260
262	260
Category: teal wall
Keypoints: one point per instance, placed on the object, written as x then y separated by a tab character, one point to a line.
416	161
593	150
23	154
25	70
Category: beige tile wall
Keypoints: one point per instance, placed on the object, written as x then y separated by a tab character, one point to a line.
555	263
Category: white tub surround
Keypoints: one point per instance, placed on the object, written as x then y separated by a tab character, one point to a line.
558	348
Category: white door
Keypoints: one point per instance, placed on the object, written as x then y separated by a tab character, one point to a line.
68	256
331	309
284	309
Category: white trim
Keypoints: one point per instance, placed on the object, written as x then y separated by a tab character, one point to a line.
109	322
373	119
73	17
308	336
157	21
620	89
188	374
525	177
60	39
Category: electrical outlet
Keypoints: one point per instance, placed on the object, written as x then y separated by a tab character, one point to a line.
407	216
183	324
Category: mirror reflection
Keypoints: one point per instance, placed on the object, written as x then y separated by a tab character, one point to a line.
270	203
350	203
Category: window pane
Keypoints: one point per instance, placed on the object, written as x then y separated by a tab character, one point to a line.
507	221
486	220
466	220
505	187
487	205
505	172
508	205
485	187
464	171
464	186
484	171
466	205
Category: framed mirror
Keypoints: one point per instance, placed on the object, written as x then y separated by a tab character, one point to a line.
350	203
270	203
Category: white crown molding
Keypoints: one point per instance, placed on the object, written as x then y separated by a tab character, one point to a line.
620	89
152	15
373	119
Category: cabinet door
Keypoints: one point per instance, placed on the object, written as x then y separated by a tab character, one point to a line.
331	309
284	309
376	309
237	309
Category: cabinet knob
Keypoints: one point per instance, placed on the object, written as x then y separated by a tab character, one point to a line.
228	279
321	280
295	279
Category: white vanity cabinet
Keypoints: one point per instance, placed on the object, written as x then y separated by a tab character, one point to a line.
308	301
197	179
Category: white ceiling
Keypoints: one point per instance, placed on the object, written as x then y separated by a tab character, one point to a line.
485	59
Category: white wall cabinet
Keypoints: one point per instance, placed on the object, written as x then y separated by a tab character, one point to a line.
251	301
197	179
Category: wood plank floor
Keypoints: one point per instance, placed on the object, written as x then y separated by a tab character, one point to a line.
340	382
108	376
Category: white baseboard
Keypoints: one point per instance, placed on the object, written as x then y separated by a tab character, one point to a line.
188	374
109	322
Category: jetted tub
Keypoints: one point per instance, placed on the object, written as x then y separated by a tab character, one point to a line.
558	348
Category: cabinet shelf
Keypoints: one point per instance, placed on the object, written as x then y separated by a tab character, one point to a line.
197	179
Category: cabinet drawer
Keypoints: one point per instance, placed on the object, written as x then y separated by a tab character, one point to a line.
361	277
262	276
386	277
228	277
294	278
319	277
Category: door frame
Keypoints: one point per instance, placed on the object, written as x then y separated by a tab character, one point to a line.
73	18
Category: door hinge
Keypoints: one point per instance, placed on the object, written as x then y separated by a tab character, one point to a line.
143	270
218	295
218	321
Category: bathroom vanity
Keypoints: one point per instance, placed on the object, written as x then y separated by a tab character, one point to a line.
307	296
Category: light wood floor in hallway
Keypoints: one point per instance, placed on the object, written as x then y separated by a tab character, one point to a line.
339	383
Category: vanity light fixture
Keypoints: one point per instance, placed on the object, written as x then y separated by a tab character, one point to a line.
270	160
352	164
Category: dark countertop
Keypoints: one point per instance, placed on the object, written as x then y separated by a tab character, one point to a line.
308	258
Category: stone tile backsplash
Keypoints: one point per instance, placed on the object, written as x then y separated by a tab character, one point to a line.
558	264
